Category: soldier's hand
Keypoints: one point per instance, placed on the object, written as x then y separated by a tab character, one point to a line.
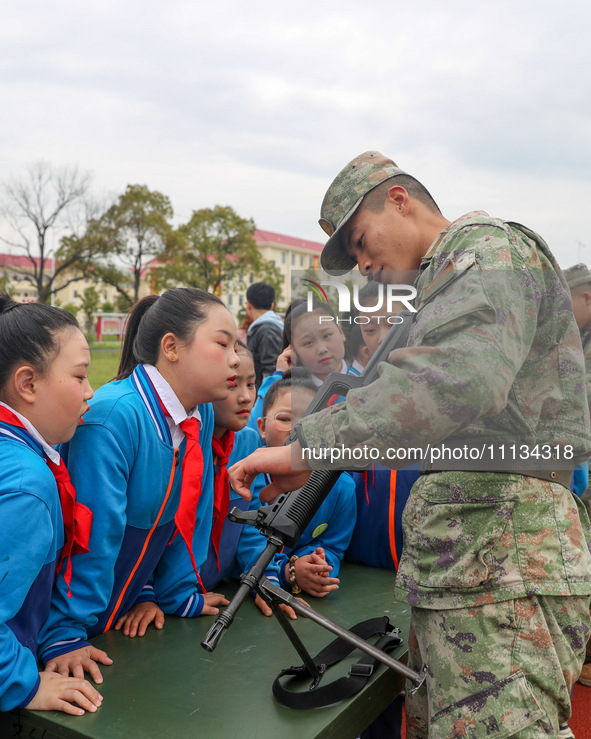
277	461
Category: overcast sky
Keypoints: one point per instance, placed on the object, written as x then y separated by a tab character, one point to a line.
259	104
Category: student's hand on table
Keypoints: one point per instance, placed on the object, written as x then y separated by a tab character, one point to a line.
284	463
312	575
318	557
59	693
212	600
80	661
267	611
138	618
284	360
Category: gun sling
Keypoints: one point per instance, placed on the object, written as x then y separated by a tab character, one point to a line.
337	650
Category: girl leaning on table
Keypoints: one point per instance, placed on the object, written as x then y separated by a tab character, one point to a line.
44	392
142	463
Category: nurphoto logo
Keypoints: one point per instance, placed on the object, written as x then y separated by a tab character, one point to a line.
390	294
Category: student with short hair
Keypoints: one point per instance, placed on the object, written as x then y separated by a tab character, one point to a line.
313	564
265	329
317	340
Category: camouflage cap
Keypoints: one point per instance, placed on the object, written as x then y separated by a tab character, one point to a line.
342	199
577	275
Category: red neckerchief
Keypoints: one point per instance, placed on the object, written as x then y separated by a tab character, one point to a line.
222	448
192	474
77	517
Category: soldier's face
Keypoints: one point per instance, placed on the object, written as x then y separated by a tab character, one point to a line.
582	309
383	241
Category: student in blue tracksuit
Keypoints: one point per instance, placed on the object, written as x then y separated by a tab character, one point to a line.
232	546
314	563
381	496
315	341
44	392
141	463
230	441
239	545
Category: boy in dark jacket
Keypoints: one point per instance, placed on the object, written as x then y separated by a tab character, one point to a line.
266	330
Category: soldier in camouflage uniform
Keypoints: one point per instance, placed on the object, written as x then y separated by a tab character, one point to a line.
578	278
496	563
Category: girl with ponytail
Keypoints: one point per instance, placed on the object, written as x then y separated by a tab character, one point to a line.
142	463
44	393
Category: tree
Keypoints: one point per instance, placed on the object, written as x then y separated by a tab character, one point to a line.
122	304
215	246
90	304
71	308
37	208
131	233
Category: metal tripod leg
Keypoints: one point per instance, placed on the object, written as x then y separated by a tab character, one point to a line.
275	595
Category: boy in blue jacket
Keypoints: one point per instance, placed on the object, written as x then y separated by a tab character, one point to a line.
313	564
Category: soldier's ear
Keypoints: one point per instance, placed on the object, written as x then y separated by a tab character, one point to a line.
399	199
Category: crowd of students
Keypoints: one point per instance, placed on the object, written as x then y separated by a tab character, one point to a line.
113	507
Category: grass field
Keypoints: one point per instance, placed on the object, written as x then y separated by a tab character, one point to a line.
103	367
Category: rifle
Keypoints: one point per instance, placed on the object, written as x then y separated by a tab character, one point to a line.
283	521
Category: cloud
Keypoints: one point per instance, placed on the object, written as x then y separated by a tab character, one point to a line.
260	105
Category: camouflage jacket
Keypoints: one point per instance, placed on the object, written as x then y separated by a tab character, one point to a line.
494	355
586	341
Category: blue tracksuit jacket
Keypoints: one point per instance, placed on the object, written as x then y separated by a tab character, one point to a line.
377	537
31	539
127	472
239	545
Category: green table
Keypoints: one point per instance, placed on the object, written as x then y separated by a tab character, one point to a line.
165	686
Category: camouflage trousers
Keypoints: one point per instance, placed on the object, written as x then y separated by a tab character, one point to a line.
499	670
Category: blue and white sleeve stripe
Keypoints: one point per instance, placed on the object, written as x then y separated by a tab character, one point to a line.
62	647
146	594
192	607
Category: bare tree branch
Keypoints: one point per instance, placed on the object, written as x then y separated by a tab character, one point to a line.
44	202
